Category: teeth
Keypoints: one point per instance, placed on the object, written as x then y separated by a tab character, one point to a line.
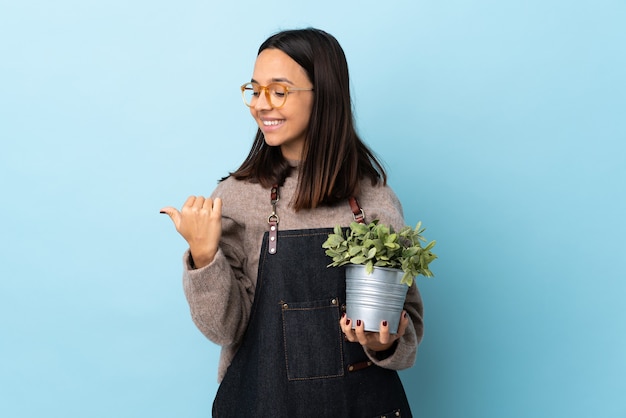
272	122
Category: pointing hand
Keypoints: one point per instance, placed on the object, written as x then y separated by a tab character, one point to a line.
200	224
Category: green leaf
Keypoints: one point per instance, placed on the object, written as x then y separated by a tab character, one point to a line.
358	259
410	252
333	240
359	228
407	279
368	243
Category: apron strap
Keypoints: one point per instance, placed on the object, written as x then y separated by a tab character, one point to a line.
357	212
272	220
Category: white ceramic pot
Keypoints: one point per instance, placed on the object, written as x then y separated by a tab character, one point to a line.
375	297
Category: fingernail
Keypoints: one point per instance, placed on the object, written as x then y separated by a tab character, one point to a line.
384	323
343	315
358	322
348	321
405	315
161	211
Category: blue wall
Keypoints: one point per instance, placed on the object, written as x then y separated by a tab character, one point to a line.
502	124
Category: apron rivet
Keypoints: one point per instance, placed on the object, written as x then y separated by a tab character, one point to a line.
334	301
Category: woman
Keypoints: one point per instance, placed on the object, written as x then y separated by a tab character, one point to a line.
255	274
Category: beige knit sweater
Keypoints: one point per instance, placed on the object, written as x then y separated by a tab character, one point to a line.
220	295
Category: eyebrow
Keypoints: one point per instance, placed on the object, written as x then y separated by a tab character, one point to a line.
275	80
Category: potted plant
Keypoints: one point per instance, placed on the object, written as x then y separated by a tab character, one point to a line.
380	266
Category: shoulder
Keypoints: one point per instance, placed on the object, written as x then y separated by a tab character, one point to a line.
243	202
233	190
379	191
381	202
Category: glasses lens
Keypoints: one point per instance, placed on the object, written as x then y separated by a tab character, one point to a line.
278	94
250	93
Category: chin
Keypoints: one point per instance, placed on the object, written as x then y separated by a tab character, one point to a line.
272	142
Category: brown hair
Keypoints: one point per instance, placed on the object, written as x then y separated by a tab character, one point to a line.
334	158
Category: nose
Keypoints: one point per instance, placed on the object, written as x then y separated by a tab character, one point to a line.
262	102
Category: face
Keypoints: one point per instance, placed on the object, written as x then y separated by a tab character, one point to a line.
285	127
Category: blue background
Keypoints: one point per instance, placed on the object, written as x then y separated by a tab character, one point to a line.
502	125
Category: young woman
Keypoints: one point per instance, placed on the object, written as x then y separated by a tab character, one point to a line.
255	275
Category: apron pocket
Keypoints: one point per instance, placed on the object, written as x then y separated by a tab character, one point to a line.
313	339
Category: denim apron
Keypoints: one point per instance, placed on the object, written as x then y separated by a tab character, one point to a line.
294	360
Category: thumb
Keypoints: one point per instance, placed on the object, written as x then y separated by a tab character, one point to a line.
404	323
173	213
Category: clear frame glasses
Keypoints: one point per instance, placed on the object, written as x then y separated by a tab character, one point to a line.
275	93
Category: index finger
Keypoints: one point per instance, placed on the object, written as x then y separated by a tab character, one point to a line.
190	201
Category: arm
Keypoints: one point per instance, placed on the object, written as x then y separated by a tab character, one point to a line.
390	351
219	294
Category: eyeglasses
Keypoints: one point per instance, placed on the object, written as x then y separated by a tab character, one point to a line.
275	93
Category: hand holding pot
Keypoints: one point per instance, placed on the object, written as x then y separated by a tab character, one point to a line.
376	341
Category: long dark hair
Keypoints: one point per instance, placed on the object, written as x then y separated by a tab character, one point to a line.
334	158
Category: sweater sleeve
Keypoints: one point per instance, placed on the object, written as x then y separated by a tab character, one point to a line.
220	294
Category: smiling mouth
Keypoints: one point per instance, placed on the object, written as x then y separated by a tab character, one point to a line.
272	122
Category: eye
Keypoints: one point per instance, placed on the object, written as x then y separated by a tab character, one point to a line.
252	90
278	90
